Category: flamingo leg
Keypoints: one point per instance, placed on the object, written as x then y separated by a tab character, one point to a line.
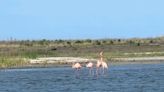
89	71
103	71
92	72
97	71
77	73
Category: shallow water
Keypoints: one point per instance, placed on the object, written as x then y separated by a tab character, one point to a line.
120	78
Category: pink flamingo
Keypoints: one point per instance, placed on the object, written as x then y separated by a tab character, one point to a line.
98	66
90	66
101	54
101	63
104	66
77	67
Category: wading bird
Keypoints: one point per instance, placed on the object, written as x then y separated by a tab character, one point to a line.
98	66
104	67
101	64
77	67
90	66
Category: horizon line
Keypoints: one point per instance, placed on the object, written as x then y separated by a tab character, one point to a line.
105	38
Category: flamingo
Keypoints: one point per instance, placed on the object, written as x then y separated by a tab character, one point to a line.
98	66
77	68
104	66
90	66
101	63
101	54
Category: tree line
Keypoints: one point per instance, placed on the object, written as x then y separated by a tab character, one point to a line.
60	42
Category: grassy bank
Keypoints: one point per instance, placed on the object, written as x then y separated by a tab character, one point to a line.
6	62
16	52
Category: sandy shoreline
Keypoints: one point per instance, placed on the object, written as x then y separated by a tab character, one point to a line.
161	58
113	61
67	61
60	60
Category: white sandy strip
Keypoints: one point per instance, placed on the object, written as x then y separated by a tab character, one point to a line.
59	60
144	53
141	59
50	60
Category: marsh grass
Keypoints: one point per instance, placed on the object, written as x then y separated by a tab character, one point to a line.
6	62
12	53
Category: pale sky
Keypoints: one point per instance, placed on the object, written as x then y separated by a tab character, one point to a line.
81	19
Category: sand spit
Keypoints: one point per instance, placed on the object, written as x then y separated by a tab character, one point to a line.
161	58
52	60
68	60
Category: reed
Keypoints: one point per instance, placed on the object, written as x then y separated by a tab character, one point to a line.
12	53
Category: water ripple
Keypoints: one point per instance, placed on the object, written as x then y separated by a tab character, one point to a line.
125	78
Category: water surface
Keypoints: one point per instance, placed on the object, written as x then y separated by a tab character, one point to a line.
120	78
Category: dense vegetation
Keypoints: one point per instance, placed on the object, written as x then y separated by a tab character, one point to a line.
14	52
